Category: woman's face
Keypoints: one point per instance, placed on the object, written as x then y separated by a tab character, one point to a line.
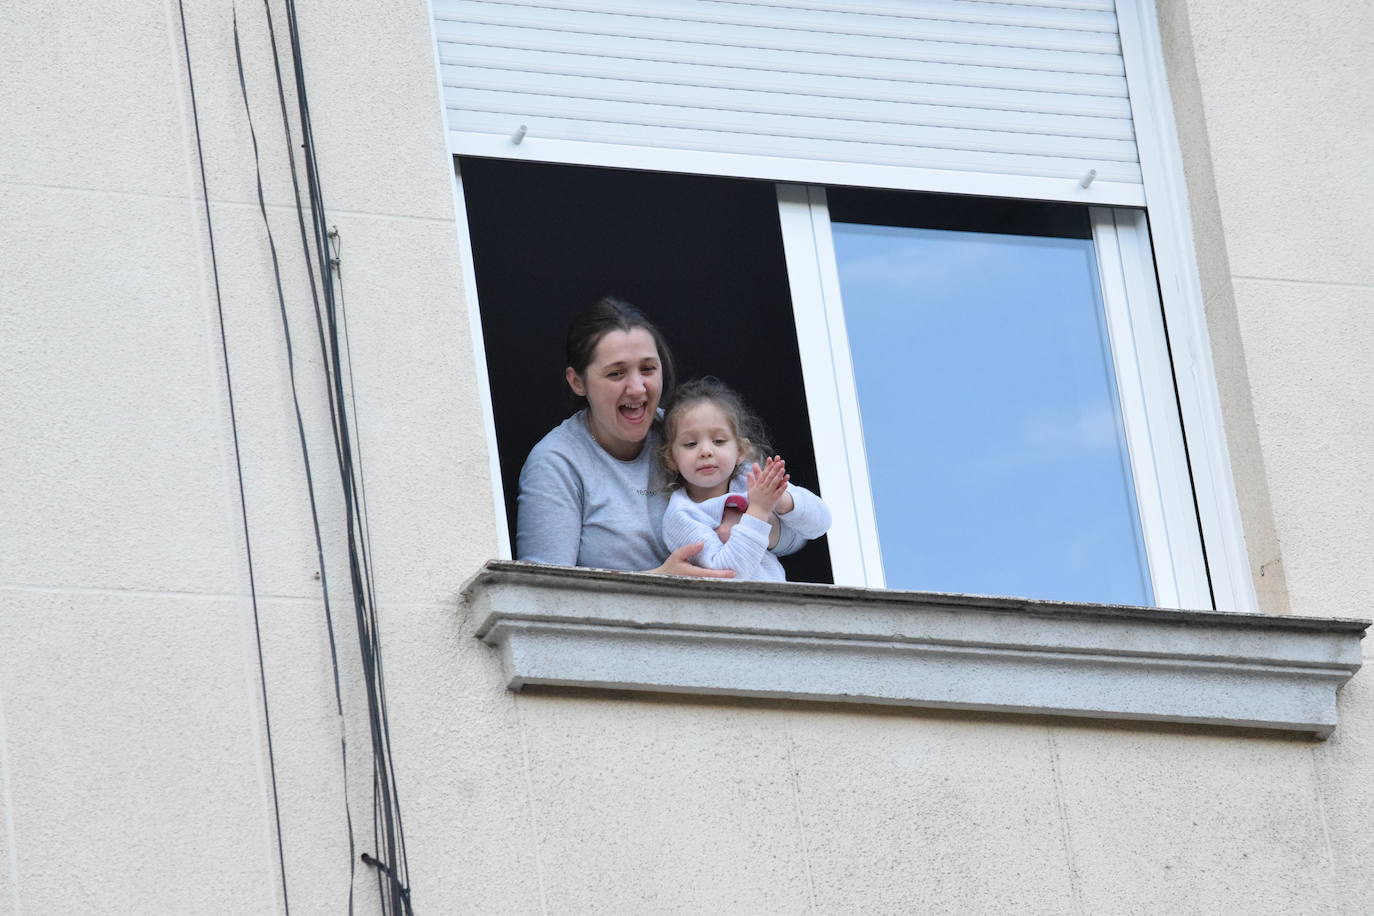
622	385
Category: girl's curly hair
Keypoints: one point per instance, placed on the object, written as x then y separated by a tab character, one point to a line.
744	423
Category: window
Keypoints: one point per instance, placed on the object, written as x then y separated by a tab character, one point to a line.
970	113
992	386
703	256
1053	467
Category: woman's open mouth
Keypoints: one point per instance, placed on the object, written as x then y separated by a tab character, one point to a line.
633	414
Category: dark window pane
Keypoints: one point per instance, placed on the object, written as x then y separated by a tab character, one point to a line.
701	256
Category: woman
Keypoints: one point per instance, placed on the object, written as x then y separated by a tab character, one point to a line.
591	493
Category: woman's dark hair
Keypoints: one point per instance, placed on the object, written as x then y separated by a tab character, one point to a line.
745	424
603	316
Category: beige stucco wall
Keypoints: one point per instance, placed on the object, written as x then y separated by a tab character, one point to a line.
133	750
133	769
1275	108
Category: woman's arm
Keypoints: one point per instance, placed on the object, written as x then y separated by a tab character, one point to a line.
548	526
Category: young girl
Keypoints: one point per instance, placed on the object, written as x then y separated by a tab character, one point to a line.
712	446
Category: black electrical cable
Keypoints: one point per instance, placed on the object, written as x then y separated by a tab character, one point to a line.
336	265
388	830
314	296
336	262
368	621
342	453
310	259
238	459
385	869
300	430
379	815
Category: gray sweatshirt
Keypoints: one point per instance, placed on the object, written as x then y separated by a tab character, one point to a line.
581	506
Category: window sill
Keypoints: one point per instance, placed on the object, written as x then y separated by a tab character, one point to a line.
636	631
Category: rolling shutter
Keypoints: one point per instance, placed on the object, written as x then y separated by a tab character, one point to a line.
1012	99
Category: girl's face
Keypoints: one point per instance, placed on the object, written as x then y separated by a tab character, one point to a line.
622	385
704	450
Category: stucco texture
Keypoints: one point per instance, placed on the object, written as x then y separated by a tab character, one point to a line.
134	770
134	753
1276	120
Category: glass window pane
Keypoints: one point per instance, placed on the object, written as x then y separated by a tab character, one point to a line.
990	415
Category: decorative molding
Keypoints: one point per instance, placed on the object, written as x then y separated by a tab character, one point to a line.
638	631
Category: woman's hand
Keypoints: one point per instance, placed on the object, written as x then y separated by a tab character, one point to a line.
679	563
766	486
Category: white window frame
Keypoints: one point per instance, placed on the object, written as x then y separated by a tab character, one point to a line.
1144	381
1166	202
505	550
1149	409
828	373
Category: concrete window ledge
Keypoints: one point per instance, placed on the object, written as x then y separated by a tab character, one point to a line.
636	631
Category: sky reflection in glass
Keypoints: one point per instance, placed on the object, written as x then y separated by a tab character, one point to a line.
990	414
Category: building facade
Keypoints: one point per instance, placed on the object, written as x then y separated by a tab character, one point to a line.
184	712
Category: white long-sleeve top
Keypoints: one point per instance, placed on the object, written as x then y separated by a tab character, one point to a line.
582	506
746	551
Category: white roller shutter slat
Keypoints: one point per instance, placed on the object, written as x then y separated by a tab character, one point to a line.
590	27
649	55
1094	15
745	123
882	122
586	92
743	21
974	161
530	66
930	93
